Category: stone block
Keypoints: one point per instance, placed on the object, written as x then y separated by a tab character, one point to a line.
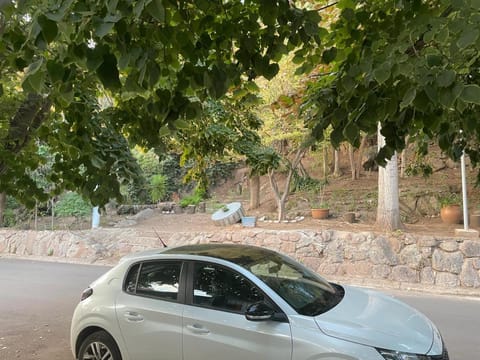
449	262
470	248
356	268
404	273
470	233
381	271
447	280
449	245
426	241
411	256
427	276
381	252
334	252
469	276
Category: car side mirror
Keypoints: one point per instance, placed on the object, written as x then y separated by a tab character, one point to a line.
259	312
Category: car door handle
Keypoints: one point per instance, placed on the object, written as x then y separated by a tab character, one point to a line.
198	329
132	316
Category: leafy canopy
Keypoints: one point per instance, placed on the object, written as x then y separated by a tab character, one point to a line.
413	66
157	59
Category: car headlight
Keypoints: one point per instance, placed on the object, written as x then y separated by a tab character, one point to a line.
398	355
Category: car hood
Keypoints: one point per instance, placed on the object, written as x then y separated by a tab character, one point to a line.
371	318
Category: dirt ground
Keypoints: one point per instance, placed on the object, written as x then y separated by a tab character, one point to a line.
203	223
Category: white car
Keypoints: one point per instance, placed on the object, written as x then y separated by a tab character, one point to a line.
235	302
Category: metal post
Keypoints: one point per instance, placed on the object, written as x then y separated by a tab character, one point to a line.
464	193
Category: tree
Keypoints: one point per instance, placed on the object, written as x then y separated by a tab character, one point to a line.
411	66
159	61
388	209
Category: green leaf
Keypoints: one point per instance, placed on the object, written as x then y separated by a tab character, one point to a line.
49	28
329	55
1	90
344	4
382	73
468	37
351	132
434	60
446	78
271	71
108	72
471	94
157	10
55	70
103	29
475	4
408	98
34	82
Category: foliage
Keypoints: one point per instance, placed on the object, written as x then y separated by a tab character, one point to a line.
194	199
220	172
449	199
304	183
72	204
157	60
158	187
413	66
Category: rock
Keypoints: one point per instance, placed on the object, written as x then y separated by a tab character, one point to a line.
449	262
411	256
449	245
427	276
469	276
404	273
470	248
447	280
143	215
382	253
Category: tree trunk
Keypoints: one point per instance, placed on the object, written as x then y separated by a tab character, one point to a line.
325	161
388	210
254	192
279	197
336	163
3	205
403	159
351	157
358	163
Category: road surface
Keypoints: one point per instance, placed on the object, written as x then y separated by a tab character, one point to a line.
37	301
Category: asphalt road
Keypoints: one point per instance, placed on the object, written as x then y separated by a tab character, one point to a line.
37	300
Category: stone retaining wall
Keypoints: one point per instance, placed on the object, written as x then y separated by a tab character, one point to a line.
450	265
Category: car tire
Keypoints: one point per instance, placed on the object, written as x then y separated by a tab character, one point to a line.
99	346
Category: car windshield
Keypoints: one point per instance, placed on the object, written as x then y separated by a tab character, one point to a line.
302	289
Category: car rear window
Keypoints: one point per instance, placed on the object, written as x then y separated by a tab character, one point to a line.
158	279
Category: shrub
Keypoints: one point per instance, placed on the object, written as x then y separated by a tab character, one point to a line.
72	204
158	187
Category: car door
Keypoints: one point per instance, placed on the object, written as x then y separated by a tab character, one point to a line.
214	323
149	311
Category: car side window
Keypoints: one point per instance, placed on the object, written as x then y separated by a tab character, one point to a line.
218	287
158	279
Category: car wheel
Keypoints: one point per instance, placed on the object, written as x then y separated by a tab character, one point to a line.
99	346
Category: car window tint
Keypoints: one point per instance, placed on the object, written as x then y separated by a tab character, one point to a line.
131	279
159	280
223	289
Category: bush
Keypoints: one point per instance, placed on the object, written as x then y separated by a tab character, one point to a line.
158	187
72	204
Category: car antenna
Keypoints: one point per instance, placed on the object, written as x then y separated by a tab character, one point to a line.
159	238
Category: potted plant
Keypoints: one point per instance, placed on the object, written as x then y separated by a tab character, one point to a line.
320	208
450	210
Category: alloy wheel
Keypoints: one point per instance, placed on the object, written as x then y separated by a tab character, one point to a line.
97	351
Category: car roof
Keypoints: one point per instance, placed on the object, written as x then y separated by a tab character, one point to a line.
242	255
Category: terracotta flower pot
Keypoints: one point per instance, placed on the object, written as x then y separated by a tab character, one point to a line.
320	213
451	214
